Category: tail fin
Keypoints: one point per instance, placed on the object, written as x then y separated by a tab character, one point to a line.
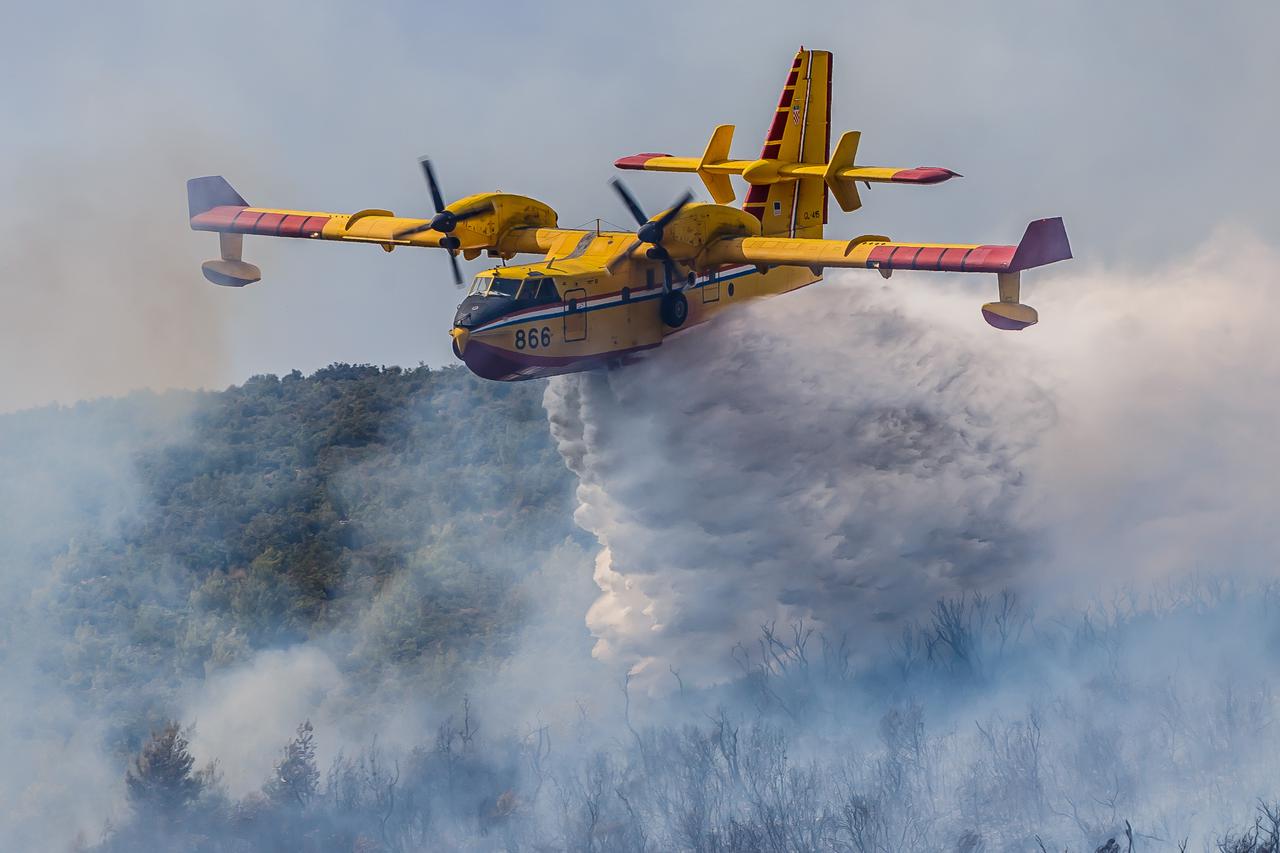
800	133
204	194
207	194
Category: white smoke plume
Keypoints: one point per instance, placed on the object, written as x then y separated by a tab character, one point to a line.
851	453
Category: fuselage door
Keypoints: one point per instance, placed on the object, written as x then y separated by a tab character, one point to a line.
711	287
575	315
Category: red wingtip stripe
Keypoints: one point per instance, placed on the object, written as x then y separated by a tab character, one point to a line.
291	226
314	226
923	175
636	161
269	223
941	259
245	220
216	219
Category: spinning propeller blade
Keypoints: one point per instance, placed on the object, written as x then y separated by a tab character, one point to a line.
436	198
650	231
445	220
630	201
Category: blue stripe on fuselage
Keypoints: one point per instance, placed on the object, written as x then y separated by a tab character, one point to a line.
617	300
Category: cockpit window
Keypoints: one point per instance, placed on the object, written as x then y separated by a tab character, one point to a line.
536	289
503	286
540	291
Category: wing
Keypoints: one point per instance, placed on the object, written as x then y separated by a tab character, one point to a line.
1044	242
498	222
215	206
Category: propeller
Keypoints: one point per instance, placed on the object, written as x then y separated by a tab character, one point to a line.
650	231
445	220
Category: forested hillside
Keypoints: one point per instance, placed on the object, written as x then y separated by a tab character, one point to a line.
399	525
175	534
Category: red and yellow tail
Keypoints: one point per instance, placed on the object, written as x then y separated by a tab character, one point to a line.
789	181
799	133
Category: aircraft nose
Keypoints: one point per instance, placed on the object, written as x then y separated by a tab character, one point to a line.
460	336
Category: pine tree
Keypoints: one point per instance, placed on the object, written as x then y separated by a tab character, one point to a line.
296	775
160	780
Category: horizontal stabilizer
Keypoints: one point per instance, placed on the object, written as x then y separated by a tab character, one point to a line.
717	151
840	174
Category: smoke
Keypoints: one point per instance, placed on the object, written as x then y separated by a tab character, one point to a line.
243	715
846	455
66	479
851	453
824	457
1161	465
121	311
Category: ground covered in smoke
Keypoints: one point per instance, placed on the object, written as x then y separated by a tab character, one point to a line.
983	729
865	578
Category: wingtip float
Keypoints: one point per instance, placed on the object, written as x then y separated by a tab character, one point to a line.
598	296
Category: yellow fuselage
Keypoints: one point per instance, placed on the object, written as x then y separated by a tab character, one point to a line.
598	317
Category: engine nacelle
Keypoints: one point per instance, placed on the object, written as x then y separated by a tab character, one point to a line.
509	212
700	224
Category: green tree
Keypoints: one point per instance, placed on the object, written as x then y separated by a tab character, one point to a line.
160	781
296	775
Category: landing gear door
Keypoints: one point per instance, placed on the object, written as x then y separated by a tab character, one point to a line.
575	315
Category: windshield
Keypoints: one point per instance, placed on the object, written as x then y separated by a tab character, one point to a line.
537	289
502	286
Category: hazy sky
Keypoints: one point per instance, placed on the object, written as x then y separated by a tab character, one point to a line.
1146	124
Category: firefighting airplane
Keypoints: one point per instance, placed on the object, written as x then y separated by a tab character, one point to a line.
598	296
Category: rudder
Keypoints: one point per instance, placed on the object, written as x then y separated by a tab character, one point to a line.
800	132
